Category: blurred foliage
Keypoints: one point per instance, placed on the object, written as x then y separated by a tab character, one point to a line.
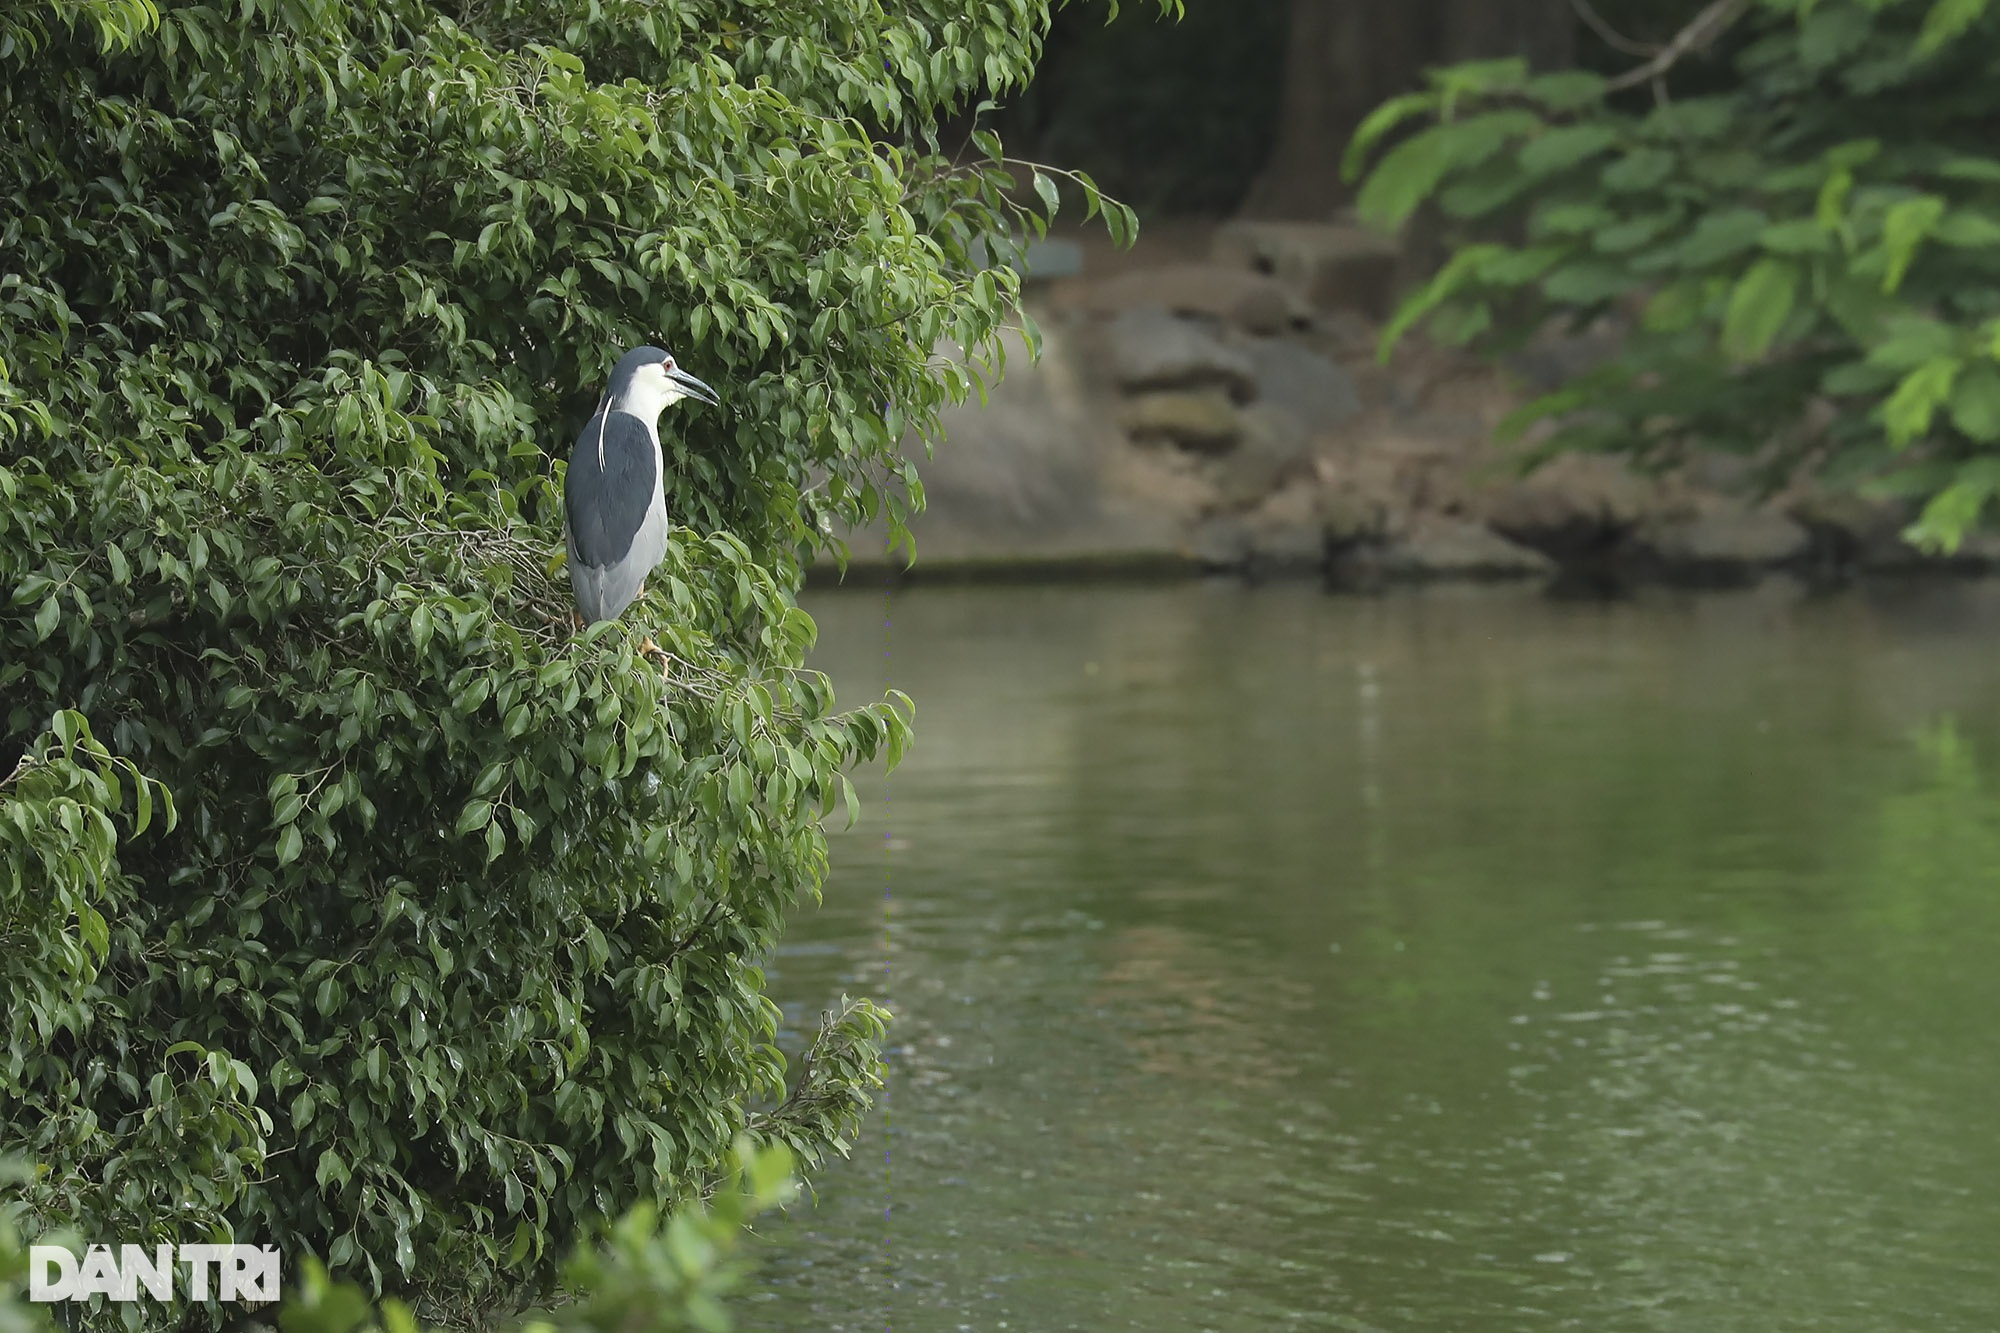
1173	116
447	943
16	1314
1825	229
643	1277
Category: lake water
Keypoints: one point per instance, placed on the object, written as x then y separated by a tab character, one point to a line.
1454	959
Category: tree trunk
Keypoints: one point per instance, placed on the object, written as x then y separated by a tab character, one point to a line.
1347	57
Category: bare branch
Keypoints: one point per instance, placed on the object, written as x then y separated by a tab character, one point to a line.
1703	29
1610	36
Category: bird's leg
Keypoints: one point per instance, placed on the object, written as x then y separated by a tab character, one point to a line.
648	648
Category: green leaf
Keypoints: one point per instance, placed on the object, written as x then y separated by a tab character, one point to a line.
1630	234
1378	123
1406	177
290	843
142	796
1913	340
1517	268
1758	307
1572	218
1411	171
1046	188
1908	413
1721	236
1953	511
1457	325
1566	90
1856	379
1829	34
1947	20
1484	191
1638	170
1501	74
1975	403
1985	170
1859	307
1588	281
1903	230
1798	236
1675	307
1563	147
332	1168
1967	230
476	815
1457	272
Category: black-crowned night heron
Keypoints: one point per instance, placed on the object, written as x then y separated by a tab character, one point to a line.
614	498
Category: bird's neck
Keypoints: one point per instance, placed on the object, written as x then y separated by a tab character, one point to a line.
645	402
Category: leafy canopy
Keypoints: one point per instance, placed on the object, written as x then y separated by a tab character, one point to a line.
448	942
1827	229
645	1272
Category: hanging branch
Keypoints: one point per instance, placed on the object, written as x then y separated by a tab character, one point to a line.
1703	29
1611	37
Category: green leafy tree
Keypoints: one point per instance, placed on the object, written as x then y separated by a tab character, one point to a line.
641	1276
453	944
1824	229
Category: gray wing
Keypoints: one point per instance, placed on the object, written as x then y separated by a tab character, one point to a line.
607	501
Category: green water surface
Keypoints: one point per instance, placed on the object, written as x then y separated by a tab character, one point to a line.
1448	960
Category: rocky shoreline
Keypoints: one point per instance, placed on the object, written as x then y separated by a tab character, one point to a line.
1215	405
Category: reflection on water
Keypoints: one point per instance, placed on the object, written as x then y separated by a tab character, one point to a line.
1447	960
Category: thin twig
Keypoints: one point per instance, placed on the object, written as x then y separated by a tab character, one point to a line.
1610	35
1703	29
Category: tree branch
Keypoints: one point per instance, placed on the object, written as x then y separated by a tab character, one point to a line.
1703	29
1611	37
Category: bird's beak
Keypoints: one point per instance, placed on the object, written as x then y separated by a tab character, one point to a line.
693	387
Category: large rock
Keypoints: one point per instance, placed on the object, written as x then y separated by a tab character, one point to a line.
1349	518
1723	539
1220	543
1279	536
1438	546
1286	534
1040	476
1335	265
1253	302
1301	381
1274	447
1362	498
1200	420
1848	521
1856	531
1051	259
1151	349
1572	506
1865	532
1720	472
